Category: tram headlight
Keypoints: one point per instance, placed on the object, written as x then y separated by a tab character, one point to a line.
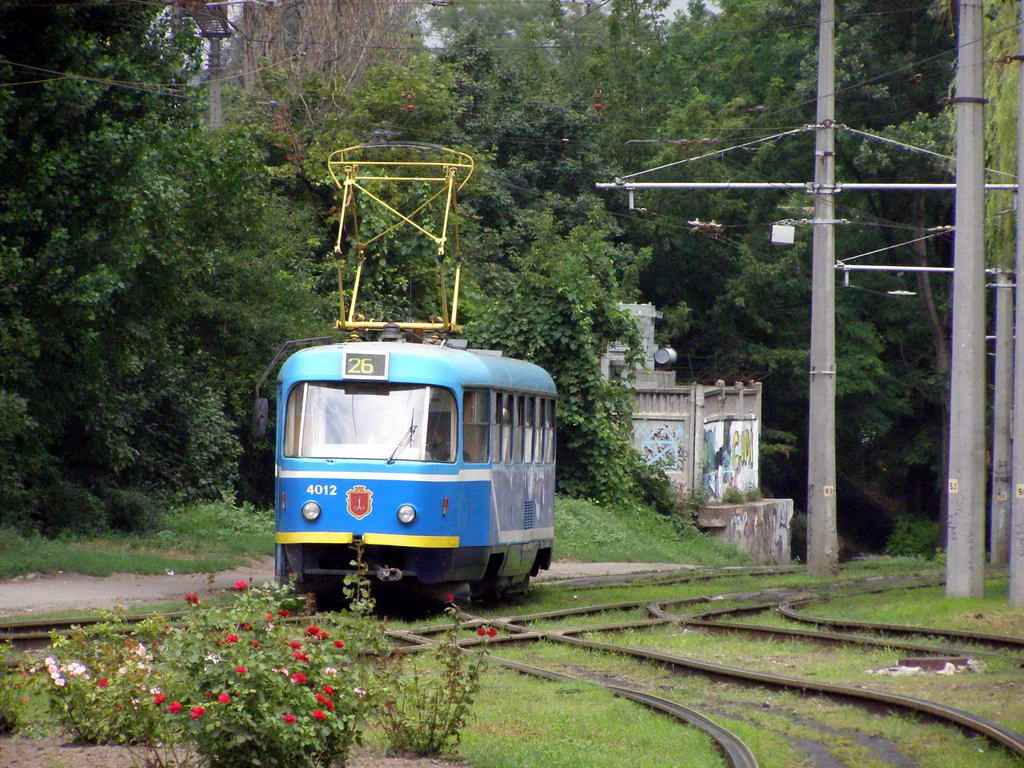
311	511
406	513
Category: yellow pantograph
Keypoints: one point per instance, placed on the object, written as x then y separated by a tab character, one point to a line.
359	171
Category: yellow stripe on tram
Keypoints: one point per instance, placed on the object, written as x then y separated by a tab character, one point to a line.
400	540
287	537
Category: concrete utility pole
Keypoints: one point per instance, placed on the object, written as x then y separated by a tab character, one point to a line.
966	481
999	503
1017	506
214	72
822	538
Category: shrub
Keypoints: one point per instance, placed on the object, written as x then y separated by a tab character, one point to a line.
10	708
913	536
423	711
250	687
100	681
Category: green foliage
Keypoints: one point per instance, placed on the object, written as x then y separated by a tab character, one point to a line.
238	686
10	694
627	532
559	311
148	271
423	710
913	536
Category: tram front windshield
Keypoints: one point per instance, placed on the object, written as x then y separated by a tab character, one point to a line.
344	420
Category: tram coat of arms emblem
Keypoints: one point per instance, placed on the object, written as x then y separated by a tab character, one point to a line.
359	501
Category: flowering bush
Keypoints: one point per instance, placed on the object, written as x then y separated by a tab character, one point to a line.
249	685
101	681
423	710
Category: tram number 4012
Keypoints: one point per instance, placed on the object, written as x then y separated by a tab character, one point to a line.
315	489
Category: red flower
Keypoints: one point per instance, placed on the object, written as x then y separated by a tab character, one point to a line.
240	585
174	707
328	690
246	625
197	712
449	598
288	718
300	656
159	698
492	632
313	630
103	682
255	643
269	617
240	669
192	598
231	638
481	631
299	678
339	643
322	636
224	698
284	612
319	714
321	699
330	705
294	645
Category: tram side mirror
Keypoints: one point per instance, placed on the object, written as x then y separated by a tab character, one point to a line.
259	418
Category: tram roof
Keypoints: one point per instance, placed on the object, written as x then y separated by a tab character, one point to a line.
422	363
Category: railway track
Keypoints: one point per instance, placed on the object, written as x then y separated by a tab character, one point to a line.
709	613
518	629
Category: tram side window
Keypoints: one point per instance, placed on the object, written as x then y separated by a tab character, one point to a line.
529	413
517	434
475	426
549	431
503	414
441	426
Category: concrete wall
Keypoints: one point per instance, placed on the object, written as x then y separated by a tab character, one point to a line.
759	528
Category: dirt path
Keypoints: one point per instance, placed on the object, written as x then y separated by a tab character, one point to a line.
42	593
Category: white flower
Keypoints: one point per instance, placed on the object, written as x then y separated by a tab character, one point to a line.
330	671
213	657
122	671
76	669
359	692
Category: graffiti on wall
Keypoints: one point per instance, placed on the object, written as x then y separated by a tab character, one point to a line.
662	443
730	456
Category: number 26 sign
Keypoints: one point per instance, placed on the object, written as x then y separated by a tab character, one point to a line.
365	365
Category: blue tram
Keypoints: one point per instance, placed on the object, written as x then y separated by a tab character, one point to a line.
439	461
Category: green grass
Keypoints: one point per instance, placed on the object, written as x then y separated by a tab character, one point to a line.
584	531
194	539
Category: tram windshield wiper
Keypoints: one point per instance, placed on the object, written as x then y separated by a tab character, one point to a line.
406	438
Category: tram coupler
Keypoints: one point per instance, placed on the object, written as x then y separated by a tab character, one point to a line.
385	574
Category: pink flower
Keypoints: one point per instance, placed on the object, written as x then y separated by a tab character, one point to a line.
288	718
103	682
174	707
240	669
224	698
299	678
240	585
159	698
192	598
231	638
197	712
313	630
339	643
319	714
